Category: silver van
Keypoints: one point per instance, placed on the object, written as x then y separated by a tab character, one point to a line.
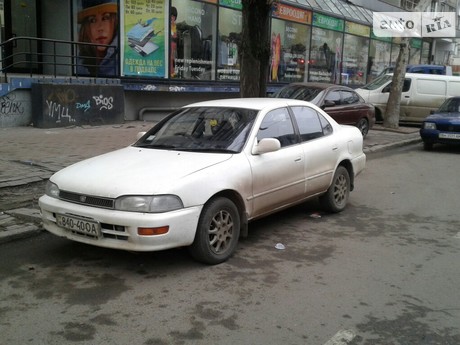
421	94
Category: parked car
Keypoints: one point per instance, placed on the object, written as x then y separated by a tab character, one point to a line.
421	94
443	126
424	69
201	174
342	103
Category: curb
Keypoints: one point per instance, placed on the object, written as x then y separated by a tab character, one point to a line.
19	224
383	147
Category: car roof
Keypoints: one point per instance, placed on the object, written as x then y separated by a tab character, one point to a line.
257	103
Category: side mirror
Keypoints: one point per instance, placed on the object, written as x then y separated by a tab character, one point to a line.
328	103
140	135
266	145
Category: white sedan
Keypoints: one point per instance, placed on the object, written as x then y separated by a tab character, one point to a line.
202	174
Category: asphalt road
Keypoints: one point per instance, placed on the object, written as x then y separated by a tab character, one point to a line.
382	272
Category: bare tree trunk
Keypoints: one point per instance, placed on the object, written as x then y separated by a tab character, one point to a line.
391	116
255	48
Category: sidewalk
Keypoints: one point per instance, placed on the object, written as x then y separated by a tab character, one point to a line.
29	154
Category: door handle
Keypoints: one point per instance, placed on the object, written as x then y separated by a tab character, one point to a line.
298	159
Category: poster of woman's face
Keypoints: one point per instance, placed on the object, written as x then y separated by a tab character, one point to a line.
97	34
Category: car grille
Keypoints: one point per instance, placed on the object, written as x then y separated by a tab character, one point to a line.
448	127
87	200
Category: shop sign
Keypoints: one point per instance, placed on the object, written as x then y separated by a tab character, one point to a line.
291	13
327	22
385	39
237	4
357	29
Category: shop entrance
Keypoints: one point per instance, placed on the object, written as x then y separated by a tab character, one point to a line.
21	21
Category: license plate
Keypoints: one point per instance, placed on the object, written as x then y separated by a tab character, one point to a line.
449	136
79	225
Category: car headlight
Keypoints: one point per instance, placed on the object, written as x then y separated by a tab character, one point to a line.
429	125
148	204
52	189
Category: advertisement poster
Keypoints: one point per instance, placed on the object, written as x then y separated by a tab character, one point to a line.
97	23
144	38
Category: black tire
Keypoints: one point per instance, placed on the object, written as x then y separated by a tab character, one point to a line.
336	198
217	233
363	126
427	146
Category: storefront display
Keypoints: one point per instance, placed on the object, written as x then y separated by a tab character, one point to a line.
326	49
379	58
194	54
290	44
200	40
355	54
230	26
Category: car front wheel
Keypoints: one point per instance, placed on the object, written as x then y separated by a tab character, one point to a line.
217	233
336	197
427	146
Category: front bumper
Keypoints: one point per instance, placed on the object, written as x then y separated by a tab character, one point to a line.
435	136
119	229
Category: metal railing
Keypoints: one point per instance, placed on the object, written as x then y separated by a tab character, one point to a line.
61	58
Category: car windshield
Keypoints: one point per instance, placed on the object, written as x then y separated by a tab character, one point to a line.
206	129
451	105
377	82
301	92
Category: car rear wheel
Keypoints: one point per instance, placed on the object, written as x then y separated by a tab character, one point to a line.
336	198
363	126
217	233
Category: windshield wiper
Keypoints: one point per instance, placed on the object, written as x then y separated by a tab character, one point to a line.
211	150
156	146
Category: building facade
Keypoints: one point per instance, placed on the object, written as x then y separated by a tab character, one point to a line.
192	45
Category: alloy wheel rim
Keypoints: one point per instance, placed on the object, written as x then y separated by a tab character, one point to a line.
340	190
220	232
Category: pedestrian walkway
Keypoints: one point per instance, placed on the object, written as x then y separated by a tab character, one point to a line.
29	154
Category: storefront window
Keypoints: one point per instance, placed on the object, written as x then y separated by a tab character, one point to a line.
379	58
415	51
325	56
230	24
394	54
425	53
289	48
290	39
355	61
192	55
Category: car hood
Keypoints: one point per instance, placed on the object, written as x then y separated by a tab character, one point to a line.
444	116
133	170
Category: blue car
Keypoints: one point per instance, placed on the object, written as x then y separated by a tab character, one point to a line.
443	126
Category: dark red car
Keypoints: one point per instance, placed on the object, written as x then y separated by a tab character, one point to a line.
342	103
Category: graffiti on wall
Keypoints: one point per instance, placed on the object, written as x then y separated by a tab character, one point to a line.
9	105
64	105
15	109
